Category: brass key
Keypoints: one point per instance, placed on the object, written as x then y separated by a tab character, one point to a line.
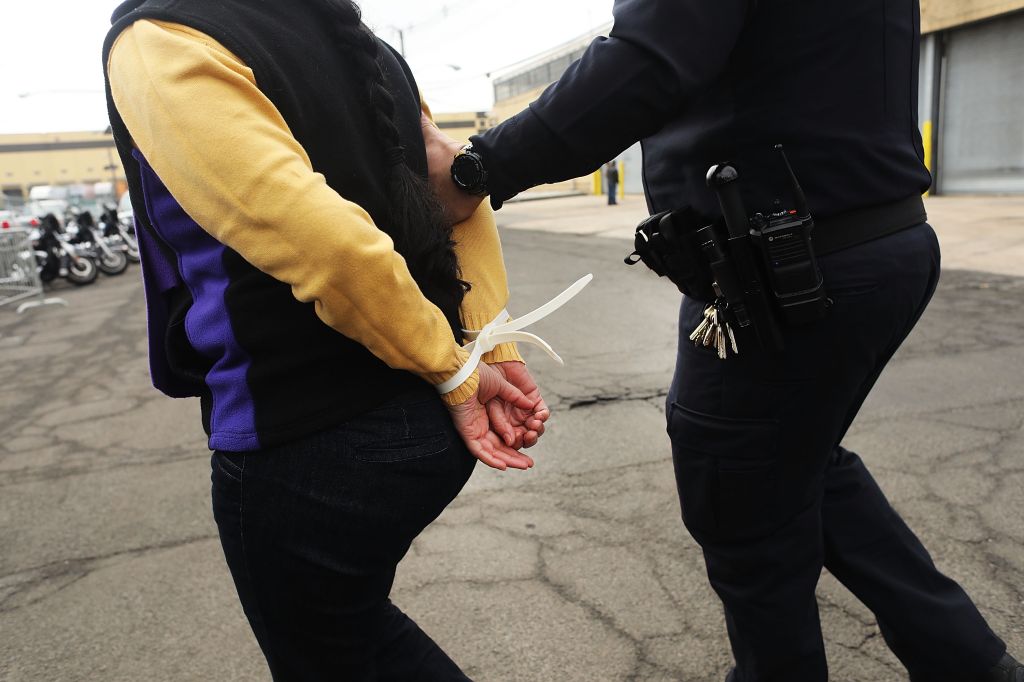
715	332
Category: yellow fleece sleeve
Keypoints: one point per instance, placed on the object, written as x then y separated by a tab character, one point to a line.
478	247
227	156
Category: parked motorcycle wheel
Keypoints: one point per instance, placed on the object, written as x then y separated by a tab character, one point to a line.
82	271
133	256
113	263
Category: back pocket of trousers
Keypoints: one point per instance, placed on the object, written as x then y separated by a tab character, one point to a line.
401	449
727	473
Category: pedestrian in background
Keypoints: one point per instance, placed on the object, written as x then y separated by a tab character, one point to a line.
765	485
611	177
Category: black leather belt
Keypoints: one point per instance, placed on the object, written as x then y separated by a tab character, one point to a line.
842	231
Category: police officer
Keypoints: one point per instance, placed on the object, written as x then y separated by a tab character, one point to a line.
765	485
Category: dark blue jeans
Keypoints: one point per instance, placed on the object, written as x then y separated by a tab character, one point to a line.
313	530
772	497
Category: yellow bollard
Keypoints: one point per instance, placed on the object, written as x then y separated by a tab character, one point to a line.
926	139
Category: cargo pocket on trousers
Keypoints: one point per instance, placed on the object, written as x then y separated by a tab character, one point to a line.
726	473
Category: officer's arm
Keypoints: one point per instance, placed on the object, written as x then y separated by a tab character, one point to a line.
624	88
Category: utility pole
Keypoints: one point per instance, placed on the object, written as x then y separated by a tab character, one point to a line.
112	167
401	38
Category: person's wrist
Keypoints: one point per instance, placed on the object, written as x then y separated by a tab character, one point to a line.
465	391
504	352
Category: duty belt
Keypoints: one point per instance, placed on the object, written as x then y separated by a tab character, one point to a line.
852	228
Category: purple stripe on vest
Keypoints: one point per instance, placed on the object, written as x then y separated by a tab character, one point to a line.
207	325
158	277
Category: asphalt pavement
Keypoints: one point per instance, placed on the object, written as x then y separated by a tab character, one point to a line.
580	569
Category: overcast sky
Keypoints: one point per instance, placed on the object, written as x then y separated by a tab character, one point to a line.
51	78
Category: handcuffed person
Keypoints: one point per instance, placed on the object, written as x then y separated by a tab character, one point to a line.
302	281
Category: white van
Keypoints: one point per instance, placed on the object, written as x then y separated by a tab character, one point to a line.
125	212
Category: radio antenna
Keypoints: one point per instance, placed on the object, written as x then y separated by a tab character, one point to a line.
798	192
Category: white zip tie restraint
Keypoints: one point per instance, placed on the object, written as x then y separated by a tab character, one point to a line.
503	330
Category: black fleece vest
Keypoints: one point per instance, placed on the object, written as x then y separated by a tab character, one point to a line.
301	375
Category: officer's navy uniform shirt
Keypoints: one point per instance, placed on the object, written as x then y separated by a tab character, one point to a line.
706	81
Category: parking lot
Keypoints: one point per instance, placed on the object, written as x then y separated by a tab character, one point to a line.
577	570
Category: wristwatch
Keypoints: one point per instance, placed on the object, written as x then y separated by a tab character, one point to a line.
468	172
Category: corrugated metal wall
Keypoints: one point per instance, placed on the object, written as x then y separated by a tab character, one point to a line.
981	124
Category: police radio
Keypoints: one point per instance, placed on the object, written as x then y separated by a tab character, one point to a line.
784	239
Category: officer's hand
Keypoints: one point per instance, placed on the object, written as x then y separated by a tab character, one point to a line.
441	151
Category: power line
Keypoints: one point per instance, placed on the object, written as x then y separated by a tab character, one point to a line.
467	22
443	13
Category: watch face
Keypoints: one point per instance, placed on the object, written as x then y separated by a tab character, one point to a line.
466	171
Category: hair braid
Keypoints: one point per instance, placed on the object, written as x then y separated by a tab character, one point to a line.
415	218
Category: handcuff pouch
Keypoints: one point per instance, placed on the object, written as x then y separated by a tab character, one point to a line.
666	243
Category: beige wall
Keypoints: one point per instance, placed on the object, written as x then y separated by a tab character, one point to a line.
49	162
460	125
941	14
506	109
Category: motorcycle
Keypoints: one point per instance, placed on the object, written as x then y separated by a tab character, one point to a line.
57	257
110	257
119	233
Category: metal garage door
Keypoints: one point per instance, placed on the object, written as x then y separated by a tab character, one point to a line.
633	165
982	135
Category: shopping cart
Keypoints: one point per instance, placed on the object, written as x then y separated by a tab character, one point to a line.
19	275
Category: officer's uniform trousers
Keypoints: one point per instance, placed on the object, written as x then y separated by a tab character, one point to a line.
771	496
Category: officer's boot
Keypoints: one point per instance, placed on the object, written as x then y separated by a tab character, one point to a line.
1007	670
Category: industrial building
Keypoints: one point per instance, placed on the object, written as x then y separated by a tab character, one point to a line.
518	85
971	110
971	105
80	160
61	159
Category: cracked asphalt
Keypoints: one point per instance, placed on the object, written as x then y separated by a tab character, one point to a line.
578	570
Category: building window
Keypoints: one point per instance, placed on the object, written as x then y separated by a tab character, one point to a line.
538	76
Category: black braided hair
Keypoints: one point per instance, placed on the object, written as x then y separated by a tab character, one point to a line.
415	218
